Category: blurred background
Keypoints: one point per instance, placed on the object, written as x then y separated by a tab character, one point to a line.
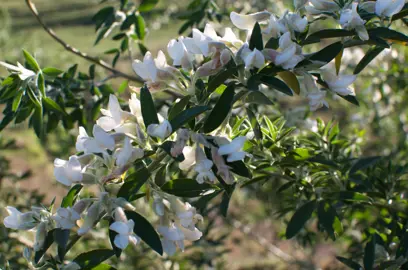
247	239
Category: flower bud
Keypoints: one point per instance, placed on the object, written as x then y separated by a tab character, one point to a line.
122	202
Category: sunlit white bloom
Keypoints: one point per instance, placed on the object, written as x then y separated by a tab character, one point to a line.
22	72
134	106
231	39
98	144
68	172
66	218
203	167
172	237
219	60
114	117
182	137
337	83
252	58
247	22
125	233
388	7
295	22
275	27
161	131
127	153
20	221
203	43
91	217
290	54
350	19
315	96
233	149
316	7
186	214
178	52
189	158
40	236
222	168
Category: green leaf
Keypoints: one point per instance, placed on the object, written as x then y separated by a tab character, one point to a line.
363	163
188	188
239	167
186	116
147	5
31	61
256	42
160	177
368	57
70	198
37	121
103	15
220	78
290	79
328	33
52	72
349	262
49	239
257	97
104	266
17	100
388	34
273	43
178	107
276	84
328	218
61	238
41	83
126	24
93	258
52	105
369	254
140	27
351	99
226	197
133	183
145	231
350	196
149	112
33	97
254	124
204	200
220	110
299	219
328	53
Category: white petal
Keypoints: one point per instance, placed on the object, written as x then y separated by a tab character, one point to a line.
189	158
103	138
247	22
169	247
59	173
121	241
119	227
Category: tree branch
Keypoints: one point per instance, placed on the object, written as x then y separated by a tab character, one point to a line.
75	51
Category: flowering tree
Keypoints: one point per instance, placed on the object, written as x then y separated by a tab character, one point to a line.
218	135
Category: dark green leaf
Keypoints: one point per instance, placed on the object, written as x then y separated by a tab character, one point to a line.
17	100
351	99
220	78
276	84
186	187
257	97
273	43
349	262
160	177
254	124
61	238
178	107
368	57
147	5
328	53
145	231
256	42
327	218
186	116
203	201
226	197
52	105
363	163
93	258
369	254
41	83
350	196
328	33
37	121
126	24
103	266
31	61
388	34
221	110
299	219
239	167
149	112
103	16
70	198
133	183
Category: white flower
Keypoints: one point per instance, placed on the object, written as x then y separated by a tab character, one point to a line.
147	69
220	59
125	233
20	221
189	158
316	7
233	149
40	236
204	43
90	218
314	95
253	58
68	172
182	137
172	237
275	27
127	153
66	218
247	22
178	52
388	7
22	72
290	54
114	117
299	3
296	22
134	106
337	83
161	131
231	39
222	168
98	144
350	19
203	167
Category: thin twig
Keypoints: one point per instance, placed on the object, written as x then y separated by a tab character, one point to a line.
75	51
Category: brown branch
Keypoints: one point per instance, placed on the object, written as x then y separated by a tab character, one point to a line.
75	51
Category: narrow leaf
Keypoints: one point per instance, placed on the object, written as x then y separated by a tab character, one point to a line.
299	219
149	112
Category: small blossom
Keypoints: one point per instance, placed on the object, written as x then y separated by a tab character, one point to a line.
204	43
203	167
91	217
127	153
114	116
290	54
68	172
182	137
189	158
172	237
233	149
314	95
125	233
253	58
161	131
178	52
66	218
98	144
158	205
71	266
23	73
222	168
275	27
247	22
388	7
337	83
134	106
231	39
350	19
20	221
295	22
